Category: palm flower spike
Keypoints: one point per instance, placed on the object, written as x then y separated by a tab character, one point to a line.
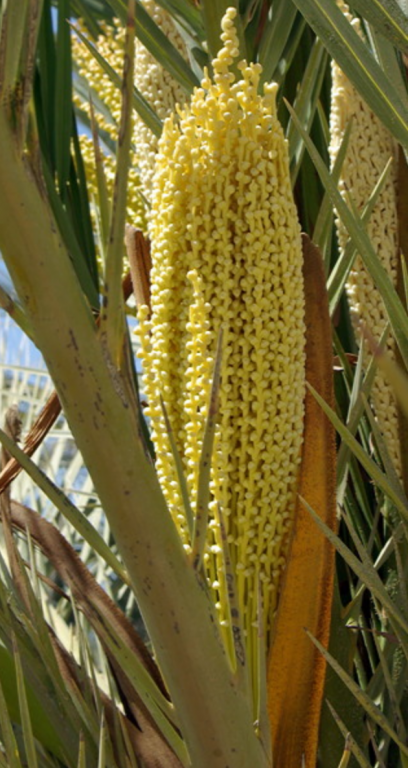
227	257
157	86
96	158
369	149
160	90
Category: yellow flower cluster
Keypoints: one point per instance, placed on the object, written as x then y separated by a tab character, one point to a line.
111	45
226	253
160	90
370	148
136	214
158	87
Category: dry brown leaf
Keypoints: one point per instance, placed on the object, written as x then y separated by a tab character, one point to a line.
295	669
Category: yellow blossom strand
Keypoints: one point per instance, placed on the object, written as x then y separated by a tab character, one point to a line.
111	45
370	148
134	207
158	87
160	90
226	252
